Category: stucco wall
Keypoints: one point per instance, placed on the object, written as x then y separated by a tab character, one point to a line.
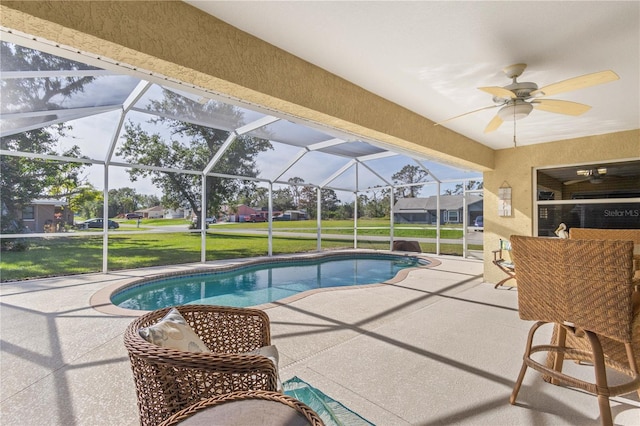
514	167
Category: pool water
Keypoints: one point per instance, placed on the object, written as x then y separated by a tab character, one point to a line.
263	283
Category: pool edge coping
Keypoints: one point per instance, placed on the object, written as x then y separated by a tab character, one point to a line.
101	299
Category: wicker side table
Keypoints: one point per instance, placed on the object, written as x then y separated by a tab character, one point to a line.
243	408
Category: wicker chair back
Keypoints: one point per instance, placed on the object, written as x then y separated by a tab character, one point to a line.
583	282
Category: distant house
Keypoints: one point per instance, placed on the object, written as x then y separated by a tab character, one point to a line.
244	213
156	212
46	215
176	214
292	215
424	210
241	211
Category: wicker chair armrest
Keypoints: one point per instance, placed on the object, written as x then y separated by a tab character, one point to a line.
202	361
506	264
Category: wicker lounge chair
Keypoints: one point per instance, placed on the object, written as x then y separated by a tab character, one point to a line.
583	287
169	380
505	265
248	407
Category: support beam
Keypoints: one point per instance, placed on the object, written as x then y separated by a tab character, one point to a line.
319	218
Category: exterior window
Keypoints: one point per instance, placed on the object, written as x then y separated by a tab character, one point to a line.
28	213
452	216
604	195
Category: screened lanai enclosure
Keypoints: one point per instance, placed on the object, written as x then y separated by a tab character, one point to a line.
103	164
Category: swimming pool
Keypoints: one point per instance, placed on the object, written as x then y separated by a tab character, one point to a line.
264	282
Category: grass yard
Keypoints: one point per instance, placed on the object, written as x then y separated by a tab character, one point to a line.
366	227
48	257
77	254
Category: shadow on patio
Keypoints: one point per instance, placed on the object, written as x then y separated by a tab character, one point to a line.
440	347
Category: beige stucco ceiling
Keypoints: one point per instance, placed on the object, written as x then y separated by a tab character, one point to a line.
431	56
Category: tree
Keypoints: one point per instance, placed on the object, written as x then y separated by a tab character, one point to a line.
282	199
328	201
407	175
38	94
295	186
260	197
376	204
191	147
147	201
344	211
471	185
24	179
87	202
123	200
257	196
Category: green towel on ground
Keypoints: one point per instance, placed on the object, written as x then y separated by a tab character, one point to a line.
330	411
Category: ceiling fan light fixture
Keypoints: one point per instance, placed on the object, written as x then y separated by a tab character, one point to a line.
515	111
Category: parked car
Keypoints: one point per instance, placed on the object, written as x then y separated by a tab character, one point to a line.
207	220
479	223
98	223
133	216
255	218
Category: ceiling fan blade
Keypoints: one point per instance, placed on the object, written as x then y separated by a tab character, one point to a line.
499	92
576	83
493	124
571	182
466	113
560	107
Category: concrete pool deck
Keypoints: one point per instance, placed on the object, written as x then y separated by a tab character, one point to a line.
439	347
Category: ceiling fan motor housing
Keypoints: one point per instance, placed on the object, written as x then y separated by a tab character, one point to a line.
515	110
522	90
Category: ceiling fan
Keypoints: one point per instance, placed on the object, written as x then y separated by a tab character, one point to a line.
592	175
517	100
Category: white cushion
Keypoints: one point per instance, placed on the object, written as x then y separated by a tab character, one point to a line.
270	352
173	332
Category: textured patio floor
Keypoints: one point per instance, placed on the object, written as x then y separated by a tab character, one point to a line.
440	347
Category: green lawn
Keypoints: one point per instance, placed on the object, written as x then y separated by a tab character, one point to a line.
74	255
77	254
373	227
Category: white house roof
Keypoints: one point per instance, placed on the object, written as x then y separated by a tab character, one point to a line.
48	202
